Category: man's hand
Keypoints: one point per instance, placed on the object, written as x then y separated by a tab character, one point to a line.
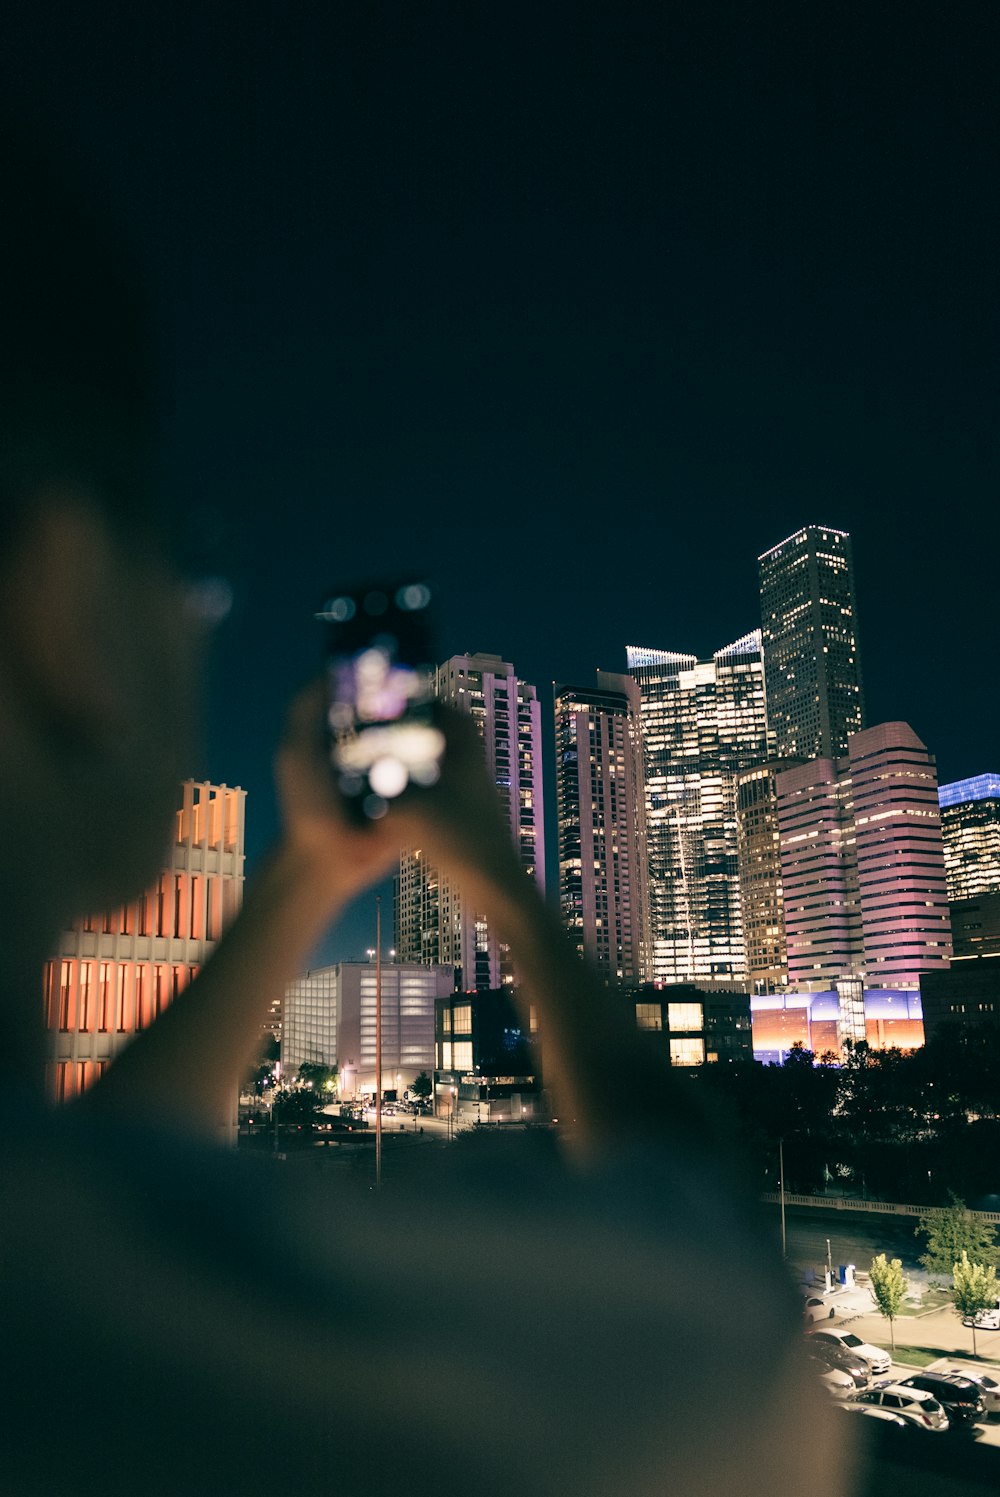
343	857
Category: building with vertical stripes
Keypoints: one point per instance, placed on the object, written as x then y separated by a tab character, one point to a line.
810	642
601	811
862	865
117	970
435	924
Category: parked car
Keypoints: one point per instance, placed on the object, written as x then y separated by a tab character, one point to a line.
814	1307
913	1404
984	1320
876	1360
872	1411
838	1384
842	1359
959	1396
988	1386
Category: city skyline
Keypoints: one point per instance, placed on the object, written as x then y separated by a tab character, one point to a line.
584	357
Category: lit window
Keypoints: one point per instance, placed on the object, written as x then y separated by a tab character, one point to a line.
648	1016
462	1020
687	1052
462	1053
685	1016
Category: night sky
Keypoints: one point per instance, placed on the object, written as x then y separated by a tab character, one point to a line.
576	307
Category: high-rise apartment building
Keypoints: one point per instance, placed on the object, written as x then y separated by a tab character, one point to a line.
759	859
434	923
703	721
600	797
810	643
970	826
115	972
862	865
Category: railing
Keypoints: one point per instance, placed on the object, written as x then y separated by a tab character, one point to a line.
851	1203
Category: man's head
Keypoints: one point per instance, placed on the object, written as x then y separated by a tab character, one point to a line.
94	643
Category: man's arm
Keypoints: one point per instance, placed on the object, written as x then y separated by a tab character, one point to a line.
192	1060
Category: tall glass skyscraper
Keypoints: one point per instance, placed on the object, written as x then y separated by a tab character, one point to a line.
810	642
970	825
434	921
601	809
703	721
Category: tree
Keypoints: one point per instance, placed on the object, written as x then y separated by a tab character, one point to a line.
952	1231
322	1079
974	1288
889	1286
422	1086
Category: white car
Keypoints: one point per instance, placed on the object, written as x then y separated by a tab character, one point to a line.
985	1320
911	1404
814	1307
838	1384
872	1411
876	1360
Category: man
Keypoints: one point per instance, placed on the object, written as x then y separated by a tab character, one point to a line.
177	1322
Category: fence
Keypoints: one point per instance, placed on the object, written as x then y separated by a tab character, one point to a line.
849	1203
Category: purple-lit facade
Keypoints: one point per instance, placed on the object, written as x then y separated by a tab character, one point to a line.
862	865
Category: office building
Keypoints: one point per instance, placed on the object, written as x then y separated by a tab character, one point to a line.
759	859
810	643
600	799
703	722
116	971
975	927
862	865
970	826
434	923
695	1026
965	997
488	1062
330	1020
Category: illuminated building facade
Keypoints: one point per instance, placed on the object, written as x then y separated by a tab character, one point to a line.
891	1018
487	1063
695	1027
703	722
434	923
970	825
759	858
330	1021
862	865
115	972
810	643
600	797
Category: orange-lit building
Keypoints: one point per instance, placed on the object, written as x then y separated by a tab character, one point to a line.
117	970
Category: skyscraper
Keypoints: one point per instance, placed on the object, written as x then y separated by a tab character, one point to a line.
970	826
600	799
810	643
862	864
434	923
759	857
703	721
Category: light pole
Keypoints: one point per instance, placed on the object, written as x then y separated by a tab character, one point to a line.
378	1042
781	1191
829	1265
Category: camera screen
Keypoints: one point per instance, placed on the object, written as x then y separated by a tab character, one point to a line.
381	690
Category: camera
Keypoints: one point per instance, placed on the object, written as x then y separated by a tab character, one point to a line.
380	709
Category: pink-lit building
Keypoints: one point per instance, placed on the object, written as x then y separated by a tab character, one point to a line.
862	865
116	971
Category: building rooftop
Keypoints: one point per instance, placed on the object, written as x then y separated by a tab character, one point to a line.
977	787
